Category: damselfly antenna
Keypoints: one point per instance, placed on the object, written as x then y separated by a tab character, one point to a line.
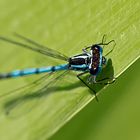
112	41
105	44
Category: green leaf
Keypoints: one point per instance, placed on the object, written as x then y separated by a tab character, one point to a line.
67	26
115	117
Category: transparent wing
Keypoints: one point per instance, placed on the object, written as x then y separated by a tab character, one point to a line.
24	99
35	47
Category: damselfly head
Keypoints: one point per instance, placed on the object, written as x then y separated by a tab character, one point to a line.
94	66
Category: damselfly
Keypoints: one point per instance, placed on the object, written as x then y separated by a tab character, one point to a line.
91	60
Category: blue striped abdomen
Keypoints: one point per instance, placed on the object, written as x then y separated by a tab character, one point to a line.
30	71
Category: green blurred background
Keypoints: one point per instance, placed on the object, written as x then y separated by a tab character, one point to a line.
115	117
68	26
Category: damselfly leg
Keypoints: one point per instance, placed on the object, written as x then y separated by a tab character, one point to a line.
92	79
79	77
